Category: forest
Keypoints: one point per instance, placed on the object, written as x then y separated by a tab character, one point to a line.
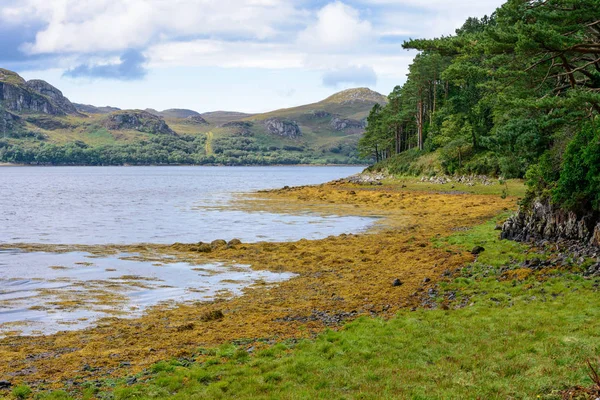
514	95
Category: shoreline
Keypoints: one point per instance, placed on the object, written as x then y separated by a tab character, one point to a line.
183	165
327	291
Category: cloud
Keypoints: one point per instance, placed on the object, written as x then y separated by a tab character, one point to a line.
130	67
90	26
338	28
356	75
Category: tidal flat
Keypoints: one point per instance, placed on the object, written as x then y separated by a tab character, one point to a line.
337	279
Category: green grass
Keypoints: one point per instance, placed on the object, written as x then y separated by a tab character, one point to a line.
499	339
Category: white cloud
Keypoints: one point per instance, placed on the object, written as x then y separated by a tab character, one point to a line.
338	28
107	25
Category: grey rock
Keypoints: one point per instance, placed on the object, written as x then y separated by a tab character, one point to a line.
397	282
282	127
341	124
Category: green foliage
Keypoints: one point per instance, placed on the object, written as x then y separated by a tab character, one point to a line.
504	96
578	187
21	392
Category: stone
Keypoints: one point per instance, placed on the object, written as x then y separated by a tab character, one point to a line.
197	119
341	124
477	250
234	242
5	385
397	282
215	244
426	280
282	127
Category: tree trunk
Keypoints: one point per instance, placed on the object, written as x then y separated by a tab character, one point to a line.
420	124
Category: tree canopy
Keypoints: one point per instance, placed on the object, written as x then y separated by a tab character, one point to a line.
513	94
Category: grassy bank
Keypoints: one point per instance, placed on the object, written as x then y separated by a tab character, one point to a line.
497	330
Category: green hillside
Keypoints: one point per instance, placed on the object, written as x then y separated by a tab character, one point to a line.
49	129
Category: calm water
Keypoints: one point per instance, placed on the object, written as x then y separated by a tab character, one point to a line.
50	292
47	292
118	205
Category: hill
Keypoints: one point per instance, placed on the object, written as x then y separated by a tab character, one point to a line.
47	128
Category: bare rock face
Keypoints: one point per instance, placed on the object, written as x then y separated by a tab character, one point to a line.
33	97
53	93
8	121
137	120
543	221
285	128
341	124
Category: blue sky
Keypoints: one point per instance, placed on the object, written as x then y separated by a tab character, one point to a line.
206	55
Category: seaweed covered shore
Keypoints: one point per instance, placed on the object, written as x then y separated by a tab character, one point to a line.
375	273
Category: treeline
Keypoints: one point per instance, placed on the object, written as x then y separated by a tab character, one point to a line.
516	94
164	150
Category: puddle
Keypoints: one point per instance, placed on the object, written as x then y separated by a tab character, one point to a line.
42	293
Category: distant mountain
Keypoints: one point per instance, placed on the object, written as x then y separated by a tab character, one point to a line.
89	109
223	117
35	114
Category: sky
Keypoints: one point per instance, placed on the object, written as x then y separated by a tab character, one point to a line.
207	55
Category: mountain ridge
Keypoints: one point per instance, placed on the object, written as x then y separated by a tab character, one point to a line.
324	132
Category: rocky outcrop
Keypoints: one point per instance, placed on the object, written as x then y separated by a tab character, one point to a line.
46	89
317	114
137	120
9	122
341	124
196	119
285	128
543	221
34	97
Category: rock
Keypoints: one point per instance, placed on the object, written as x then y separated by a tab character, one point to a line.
34	97
5	385
215	244
204	247
397	282
137	120
319	114
426	280
197	119
341	124
131	380
542	221
233	243
284	128
46	89
477	250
